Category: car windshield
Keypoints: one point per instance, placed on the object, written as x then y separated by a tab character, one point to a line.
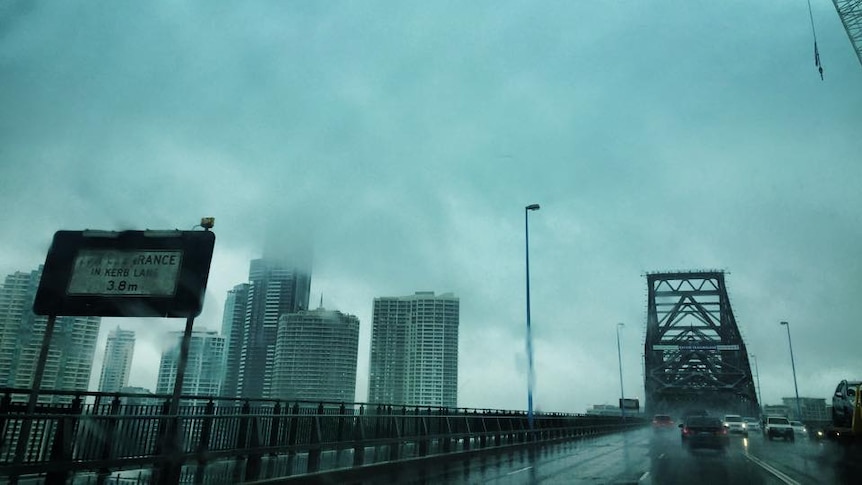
778	421
662	418
733	419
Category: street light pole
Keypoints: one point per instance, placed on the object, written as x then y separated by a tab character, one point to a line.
759	392
793	364
531	207
620	358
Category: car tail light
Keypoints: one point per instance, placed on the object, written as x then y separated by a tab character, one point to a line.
723	431
686	431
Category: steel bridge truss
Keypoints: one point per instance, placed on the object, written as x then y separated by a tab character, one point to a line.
694	356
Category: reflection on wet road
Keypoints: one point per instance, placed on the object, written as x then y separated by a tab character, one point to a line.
649	457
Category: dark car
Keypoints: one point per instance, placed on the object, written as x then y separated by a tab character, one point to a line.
843	402
662	422
704	432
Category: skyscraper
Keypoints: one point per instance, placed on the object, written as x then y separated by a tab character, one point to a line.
414	350
315	356
118	360
233	322
276	287
70	356
205	367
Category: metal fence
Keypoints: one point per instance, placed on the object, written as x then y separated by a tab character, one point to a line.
128	438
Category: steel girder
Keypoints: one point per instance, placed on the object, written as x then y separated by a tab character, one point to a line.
694	356
850	12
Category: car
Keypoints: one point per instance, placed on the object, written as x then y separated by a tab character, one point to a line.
778	427
799	429
753	424
662	422
704	432
735	424
843	402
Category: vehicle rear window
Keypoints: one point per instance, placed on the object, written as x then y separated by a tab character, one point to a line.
703	421
777	421
662	418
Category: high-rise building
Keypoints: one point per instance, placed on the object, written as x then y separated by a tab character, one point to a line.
414	350
73	345
276	287
118	360
315	356
204	368
233	322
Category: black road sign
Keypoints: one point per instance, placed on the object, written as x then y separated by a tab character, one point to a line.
126	274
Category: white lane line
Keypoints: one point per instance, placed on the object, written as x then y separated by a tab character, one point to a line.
771	469
643	477
519	471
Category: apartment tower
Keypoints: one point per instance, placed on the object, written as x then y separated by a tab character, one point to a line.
118	360
414	350
315	356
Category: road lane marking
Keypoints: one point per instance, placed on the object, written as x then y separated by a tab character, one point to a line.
771	469
643	477
519	471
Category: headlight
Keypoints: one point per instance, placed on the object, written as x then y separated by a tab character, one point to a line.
744	425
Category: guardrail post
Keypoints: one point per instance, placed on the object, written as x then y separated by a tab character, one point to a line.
314	442
447	430
422	431
5	404
165	444
292	432
276	426
204	443
483	439
61	448
359	439
394	434
108	437
253	462
466	431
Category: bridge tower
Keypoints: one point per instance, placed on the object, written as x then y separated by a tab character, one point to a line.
694	356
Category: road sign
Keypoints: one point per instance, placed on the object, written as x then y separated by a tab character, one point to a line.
126	274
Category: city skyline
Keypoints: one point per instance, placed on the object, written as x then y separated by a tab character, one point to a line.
406	140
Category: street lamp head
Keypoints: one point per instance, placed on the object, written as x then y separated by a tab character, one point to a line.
532	207
784	323
621	324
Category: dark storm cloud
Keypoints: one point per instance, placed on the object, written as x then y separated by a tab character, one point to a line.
407	138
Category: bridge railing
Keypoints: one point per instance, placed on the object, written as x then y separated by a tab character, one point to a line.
213	438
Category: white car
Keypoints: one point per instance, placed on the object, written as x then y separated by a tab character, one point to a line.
799	429
735	424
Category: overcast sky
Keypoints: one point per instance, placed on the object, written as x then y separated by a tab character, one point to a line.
407	137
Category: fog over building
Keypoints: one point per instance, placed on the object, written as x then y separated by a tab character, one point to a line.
205	367
117	363
414	350
316	355
277	286
73	345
